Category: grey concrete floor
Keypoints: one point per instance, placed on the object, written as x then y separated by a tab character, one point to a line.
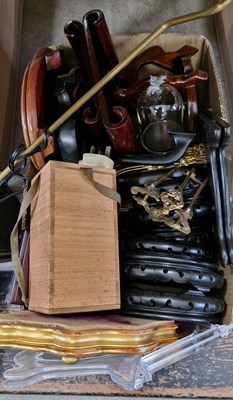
43	23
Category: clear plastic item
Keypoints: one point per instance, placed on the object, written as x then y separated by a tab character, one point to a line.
160	110
196	341
128	371
32	367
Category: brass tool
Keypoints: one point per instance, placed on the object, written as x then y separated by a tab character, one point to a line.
168	201
214	9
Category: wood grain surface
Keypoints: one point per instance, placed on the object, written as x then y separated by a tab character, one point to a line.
73	242
207	374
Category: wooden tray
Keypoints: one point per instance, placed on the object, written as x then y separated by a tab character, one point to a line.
79	335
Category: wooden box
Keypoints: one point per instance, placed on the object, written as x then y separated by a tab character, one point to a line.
74	262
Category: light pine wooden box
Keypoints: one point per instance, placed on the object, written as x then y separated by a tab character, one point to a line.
74	257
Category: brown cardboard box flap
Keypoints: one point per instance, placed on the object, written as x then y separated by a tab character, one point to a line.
10	11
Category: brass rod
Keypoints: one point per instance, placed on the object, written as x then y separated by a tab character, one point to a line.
120	66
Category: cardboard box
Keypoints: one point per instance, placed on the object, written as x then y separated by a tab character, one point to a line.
10	35
224	29
74	261
210	94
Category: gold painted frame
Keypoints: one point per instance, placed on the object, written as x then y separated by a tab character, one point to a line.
80	335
